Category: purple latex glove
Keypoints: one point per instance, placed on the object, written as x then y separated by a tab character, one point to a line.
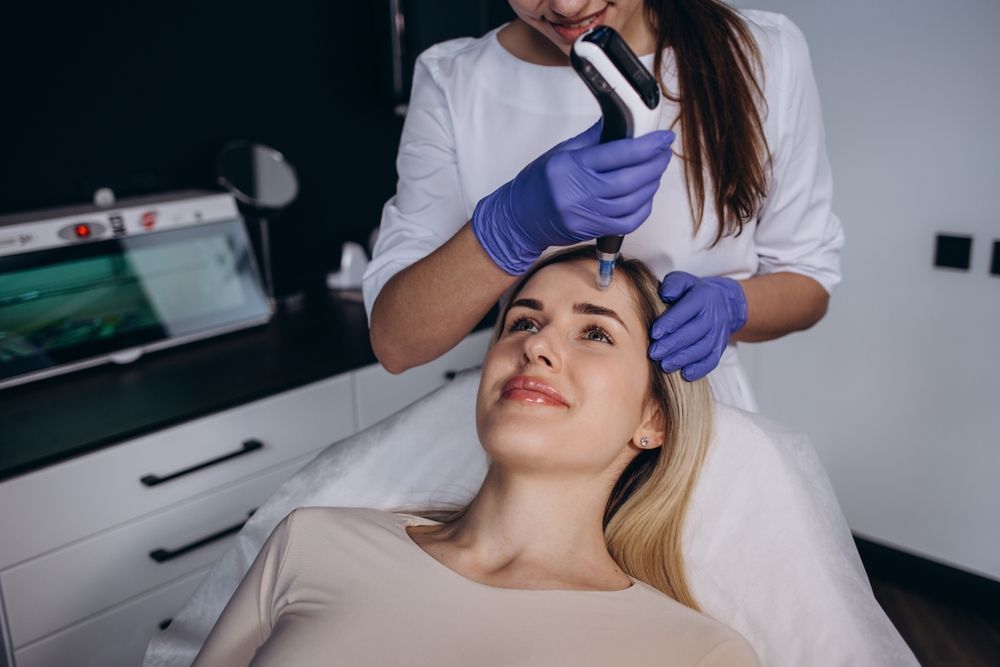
695	330
577	191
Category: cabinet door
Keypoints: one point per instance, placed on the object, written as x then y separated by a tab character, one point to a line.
78	498
72	583
378	393
116	638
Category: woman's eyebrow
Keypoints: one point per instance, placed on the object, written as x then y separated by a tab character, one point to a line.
594	309
581	308
533	304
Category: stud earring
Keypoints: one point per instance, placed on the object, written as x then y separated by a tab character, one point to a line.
644	442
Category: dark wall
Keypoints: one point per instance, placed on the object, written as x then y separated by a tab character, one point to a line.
140	97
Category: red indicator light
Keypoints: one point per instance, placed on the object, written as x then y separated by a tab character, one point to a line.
148	220
82	231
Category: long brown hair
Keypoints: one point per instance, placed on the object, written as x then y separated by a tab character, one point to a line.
644	515
720	101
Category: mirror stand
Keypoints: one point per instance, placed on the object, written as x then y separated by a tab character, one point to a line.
262	179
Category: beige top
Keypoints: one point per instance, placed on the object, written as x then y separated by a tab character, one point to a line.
342	586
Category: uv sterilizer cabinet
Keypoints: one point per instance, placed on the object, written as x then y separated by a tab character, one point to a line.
82	286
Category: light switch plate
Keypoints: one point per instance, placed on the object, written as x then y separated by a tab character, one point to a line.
953	252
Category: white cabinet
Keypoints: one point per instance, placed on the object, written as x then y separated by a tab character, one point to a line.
125	561
116	637
98	551
378	393
79	497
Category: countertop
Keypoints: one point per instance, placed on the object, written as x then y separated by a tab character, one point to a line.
57	418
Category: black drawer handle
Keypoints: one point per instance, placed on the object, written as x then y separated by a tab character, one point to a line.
163	555
248	446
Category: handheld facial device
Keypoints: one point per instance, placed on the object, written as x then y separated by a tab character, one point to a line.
629	98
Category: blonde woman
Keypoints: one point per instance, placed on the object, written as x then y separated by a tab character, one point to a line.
570	552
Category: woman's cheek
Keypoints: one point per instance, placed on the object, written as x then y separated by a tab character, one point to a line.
627	385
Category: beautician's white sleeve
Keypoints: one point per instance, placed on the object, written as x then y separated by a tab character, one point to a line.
428	207
796	229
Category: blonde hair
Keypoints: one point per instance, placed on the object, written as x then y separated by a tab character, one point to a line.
644	515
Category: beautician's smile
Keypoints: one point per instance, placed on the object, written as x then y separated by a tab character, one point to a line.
532	390
570	30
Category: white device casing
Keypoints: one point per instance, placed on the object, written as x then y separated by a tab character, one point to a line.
644	119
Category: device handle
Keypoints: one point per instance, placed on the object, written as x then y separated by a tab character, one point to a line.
610	244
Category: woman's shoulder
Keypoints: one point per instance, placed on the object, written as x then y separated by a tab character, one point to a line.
733	652
768	23
670	620
787	65
314	516
444	57
345	535
316	521
333	523
775	33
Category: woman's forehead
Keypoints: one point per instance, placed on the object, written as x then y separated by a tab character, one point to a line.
566	283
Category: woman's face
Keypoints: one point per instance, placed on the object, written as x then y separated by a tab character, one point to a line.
562	21
565	387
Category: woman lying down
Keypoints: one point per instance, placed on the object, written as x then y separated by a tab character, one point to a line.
570	552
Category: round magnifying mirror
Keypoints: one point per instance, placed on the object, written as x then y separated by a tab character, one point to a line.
257	175
262	179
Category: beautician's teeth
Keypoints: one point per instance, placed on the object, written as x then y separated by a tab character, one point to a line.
582	24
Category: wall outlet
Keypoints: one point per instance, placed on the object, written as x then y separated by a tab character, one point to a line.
953	252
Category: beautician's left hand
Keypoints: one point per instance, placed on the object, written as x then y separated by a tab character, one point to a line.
695	330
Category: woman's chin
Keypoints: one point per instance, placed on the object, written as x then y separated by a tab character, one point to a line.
535	444
520	439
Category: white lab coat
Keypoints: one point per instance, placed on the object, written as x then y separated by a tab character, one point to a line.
478	115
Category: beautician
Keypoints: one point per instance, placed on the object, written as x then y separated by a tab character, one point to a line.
738	221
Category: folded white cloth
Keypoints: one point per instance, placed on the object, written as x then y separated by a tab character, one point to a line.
768	549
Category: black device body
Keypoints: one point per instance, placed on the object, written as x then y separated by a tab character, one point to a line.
629	100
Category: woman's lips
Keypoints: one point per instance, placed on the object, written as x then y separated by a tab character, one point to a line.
569	31
532	390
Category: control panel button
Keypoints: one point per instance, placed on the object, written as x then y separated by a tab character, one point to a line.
148	220
83	231
117	224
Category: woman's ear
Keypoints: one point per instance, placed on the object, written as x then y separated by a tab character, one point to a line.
652	431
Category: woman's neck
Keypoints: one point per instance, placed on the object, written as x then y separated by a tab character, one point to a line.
529	532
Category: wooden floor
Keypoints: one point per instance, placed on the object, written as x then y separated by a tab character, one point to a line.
939	633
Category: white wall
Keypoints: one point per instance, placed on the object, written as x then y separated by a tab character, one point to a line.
899	387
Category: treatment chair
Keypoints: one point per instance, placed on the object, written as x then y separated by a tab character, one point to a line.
766	545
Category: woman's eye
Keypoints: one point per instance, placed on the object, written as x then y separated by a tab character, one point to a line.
523	324
598	334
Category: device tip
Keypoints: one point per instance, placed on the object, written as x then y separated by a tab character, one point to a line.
604	272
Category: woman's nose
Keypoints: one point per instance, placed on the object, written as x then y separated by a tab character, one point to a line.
569	8
541	349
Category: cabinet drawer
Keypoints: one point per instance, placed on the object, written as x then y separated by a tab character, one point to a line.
62	587
116	638
378	393
70	500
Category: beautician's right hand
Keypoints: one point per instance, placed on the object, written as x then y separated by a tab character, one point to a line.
579	190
